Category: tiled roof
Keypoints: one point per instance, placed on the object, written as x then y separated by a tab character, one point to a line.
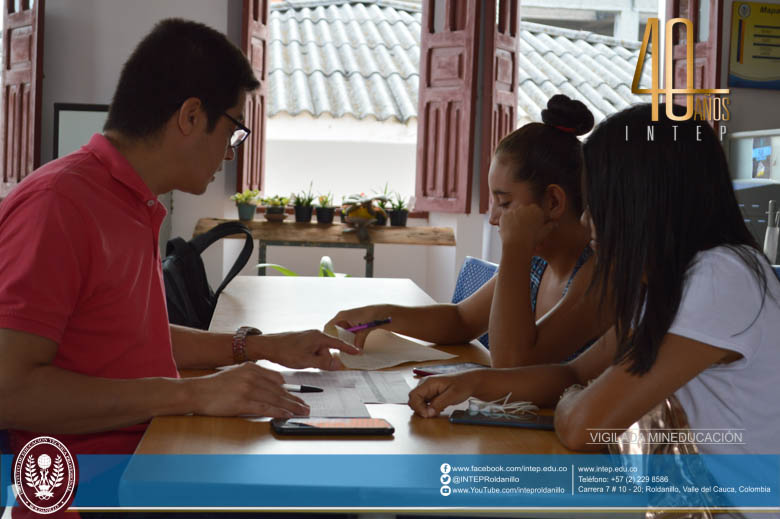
597	70
361	58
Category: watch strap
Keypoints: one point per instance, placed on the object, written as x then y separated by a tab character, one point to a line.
239	342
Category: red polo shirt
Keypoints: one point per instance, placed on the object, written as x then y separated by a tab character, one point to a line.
80	265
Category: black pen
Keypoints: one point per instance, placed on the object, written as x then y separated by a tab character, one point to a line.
296	388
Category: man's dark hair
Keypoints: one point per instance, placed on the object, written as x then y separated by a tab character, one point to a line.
655	204
179	59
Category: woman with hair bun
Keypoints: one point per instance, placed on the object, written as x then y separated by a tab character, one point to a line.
695	302
536	202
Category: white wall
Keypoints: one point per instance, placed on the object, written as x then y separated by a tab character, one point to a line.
86	42
85	45
344	156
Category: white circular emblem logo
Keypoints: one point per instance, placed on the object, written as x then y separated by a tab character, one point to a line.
44	475
744	10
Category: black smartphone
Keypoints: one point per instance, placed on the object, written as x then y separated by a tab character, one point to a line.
314	426
440	369
528	421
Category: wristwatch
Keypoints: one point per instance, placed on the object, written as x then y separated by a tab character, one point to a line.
239	342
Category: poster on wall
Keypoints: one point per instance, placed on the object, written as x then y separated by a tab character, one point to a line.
762	152
755	45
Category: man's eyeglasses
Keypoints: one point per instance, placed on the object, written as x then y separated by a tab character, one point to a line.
239	134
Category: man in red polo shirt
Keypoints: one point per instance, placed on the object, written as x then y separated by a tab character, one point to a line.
87	354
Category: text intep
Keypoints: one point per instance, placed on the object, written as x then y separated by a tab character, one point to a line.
651	132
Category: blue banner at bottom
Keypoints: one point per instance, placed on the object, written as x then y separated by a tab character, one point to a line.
424	481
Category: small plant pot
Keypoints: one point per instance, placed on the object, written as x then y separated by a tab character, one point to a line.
381	219
275	213
246	211
325	214
398	218
303	213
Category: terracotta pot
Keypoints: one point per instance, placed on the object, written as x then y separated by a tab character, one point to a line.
275	213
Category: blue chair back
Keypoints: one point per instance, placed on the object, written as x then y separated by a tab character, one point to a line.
777	270
473	274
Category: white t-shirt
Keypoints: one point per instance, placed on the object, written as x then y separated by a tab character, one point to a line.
720	306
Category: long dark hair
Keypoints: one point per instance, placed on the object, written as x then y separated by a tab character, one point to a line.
655	204
550	153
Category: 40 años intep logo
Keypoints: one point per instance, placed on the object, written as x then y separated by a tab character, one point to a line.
44	475
708	107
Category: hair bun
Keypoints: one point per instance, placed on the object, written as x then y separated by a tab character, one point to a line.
568	113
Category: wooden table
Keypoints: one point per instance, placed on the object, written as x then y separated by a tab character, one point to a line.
277	304
333	235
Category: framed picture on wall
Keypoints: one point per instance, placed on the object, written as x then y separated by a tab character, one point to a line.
754	61
74	125
762	154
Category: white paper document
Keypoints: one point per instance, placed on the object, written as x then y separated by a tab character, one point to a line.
384	349
369	387
335	401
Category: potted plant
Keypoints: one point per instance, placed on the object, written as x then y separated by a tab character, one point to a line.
398	211
382	201
246	202
303	207
361	211
274	208
325	208
325	270
343	209
363	208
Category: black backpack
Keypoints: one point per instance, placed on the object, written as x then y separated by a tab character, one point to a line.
189	297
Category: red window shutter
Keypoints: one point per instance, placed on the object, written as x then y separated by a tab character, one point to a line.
20	133
446	110
501	79
251	163
707	52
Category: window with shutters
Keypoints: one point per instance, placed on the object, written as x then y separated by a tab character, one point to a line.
706	16
451	61
358	85
342	98
501	72
22	62
251	157
341	65
449	45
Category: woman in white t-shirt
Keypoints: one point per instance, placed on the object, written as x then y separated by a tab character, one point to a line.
694	300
